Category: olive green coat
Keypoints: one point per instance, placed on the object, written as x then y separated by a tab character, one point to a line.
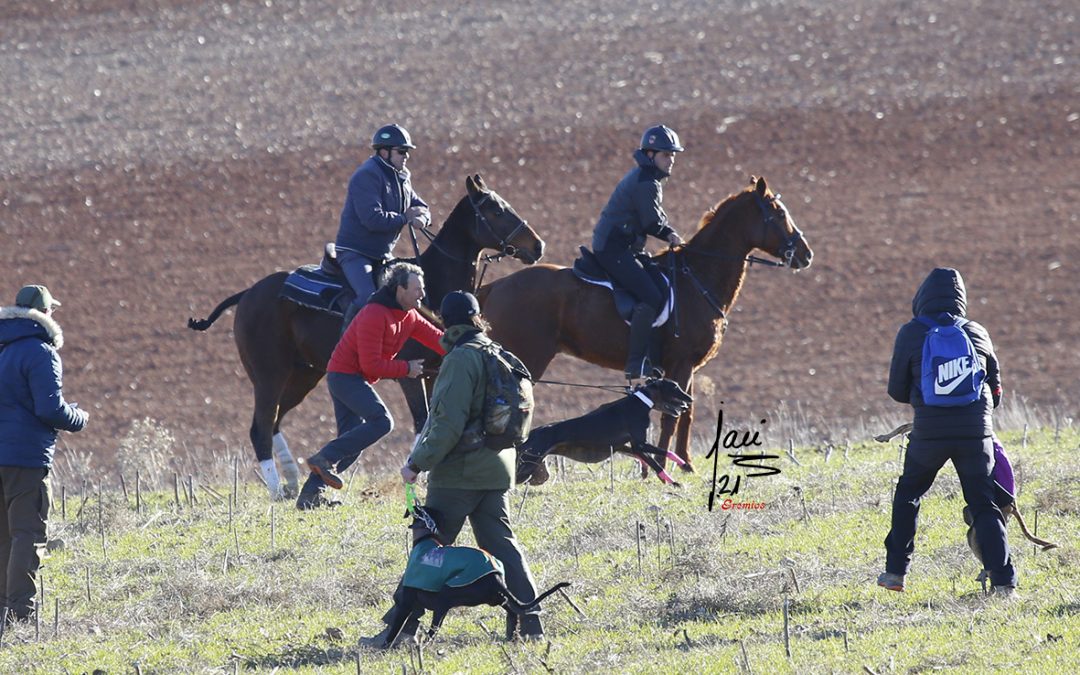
459	397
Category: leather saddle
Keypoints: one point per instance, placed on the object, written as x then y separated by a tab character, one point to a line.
588	269
322	287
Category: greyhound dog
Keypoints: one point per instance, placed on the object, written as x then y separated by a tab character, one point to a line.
618	426
439	578
1004	498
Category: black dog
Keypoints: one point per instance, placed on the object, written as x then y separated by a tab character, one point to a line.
620	425
439	578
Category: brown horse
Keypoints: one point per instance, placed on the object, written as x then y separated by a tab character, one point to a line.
285	347
544	310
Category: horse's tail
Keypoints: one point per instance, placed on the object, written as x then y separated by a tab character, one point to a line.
519	607
203	324
1042	543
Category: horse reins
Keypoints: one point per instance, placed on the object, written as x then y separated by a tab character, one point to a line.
505	247
768	218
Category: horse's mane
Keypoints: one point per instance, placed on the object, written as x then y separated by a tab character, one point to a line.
721	209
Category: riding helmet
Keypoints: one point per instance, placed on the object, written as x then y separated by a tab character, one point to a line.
458	307
662	139
391	136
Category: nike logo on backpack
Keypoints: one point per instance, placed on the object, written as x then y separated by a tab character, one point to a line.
957	369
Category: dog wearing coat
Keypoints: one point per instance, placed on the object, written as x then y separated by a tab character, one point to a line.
1005	500
439	578
619	426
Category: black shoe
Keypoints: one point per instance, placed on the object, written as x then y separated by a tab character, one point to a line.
531	628
311	495
380	641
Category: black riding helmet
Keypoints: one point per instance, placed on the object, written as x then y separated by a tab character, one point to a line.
661	139
391	136
458	307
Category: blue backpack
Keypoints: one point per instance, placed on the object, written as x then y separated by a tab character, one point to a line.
951	372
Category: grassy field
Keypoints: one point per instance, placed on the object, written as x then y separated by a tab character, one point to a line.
667	585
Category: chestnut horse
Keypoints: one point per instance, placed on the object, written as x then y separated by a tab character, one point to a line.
285	347
546	310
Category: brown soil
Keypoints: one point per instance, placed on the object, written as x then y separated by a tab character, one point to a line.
161	155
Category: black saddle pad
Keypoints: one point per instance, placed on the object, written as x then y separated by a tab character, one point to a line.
588	269
312	287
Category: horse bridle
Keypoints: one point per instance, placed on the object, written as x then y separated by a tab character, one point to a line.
505	247
786	253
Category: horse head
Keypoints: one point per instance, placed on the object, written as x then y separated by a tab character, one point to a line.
779	235
498	226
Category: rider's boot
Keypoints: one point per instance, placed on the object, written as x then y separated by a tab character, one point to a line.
637	359
656	353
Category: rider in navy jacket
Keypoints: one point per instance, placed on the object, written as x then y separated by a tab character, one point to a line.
32	405
633	212
380	201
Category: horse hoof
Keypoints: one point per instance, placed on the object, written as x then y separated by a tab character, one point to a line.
290	492
688	468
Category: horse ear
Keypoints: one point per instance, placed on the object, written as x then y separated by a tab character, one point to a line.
480	182
470	185
761	186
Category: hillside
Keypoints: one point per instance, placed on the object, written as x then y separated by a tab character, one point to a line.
160	155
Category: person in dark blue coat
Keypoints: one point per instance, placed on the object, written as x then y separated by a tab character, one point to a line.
32	411
634	211
963	434
380	202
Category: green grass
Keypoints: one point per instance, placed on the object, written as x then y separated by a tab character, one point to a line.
176	589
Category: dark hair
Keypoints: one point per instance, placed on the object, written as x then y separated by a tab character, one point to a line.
397	275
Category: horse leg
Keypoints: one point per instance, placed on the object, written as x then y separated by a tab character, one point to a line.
263	422
289	469
300	383
415	393
682	440
668	423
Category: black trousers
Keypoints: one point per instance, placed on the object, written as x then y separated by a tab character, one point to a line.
642	279
973	460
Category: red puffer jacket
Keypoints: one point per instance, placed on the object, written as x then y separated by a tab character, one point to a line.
376	335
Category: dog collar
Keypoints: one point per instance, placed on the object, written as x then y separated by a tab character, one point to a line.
645	399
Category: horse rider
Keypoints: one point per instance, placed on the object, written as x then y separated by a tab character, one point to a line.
634	210
380	201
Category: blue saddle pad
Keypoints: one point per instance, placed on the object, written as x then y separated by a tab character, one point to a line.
310	286
588	269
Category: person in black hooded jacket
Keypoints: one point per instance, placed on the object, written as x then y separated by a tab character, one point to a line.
962	434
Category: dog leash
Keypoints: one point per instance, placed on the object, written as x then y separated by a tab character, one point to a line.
410	497
605	387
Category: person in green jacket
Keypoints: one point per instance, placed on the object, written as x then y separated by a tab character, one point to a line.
474	483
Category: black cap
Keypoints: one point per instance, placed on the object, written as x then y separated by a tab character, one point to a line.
458	307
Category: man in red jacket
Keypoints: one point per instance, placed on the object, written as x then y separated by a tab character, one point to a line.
364	355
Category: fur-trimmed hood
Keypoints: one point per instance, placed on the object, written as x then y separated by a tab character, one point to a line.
20	322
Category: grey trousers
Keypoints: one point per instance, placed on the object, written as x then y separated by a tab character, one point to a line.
24	498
